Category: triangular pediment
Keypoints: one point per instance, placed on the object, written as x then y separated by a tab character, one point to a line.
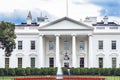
65	23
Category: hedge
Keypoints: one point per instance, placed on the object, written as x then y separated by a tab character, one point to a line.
53	71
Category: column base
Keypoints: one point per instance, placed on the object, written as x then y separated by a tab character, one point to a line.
59	75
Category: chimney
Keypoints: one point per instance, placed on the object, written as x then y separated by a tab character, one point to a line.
105	19
29	18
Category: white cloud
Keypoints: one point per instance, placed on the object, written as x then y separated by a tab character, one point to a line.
54	7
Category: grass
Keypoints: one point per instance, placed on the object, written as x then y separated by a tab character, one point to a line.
11	77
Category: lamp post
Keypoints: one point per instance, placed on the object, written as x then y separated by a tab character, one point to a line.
66	59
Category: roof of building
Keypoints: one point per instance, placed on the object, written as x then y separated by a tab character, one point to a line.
108	24
25	24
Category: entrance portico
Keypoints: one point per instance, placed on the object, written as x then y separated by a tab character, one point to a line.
65	36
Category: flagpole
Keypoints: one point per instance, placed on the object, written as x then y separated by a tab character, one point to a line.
66	8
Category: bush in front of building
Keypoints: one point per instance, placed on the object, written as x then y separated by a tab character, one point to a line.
20	71
53	71
11	72
1	71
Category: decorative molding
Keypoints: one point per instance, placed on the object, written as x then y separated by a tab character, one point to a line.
32	55
100	55
19	54
114	54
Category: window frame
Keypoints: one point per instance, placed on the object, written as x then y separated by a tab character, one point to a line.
20	63
7	63
20	47
82	45
113	44
32	45
32	61
51	64
114	64
100	44
51	45
66	45
100	63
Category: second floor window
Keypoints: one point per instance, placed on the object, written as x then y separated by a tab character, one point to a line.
66	45
33	45
19	45
113	45
100	44
51	45
82	45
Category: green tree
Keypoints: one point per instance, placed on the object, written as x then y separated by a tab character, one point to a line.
7	37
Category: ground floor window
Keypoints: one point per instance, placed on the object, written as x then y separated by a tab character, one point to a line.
19	62
82	62
113	62
6	62
32	62
51	62
100	62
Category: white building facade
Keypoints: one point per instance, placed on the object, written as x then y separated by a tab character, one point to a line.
50	44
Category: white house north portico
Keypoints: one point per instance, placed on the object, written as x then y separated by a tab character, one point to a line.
65	43
71	31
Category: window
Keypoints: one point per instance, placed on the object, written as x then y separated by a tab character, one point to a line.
32	62
113	44
6	62
82	62
51	45
100	44
19	45
100	62
19	62
82	45
32	45
113	62
51	62
66	45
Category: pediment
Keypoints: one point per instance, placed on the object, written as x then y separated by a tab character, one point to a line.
32	55
101	55
65	23
114	54
19	54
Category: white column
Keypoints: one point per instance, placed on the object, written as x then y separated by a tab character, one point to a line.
41	52
74	57
57	51
58	63
90	54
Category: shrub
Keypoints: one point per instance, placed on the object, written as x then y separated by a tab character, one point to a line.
27	71
11	72
51	71
1	72
65	71
20	71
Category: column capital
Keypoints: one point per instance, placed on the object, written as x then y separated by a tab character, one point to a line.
41	35
73	34
90	35
57	34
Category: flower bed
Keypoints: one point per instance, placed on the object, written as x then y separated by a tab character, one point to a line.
55	79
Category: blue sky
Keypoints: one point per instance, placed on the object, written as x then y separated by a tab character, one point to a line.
15	11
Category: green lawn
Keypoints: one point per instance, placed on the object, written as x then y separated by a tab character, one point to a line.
108	77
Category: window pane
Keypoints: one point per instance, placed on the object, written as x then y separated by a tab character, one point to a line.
100	43
6	62
81	62
19	62
32	45
113	44
100	62
19	44
82	45
51	62
66	45
113	62
32	62
51	45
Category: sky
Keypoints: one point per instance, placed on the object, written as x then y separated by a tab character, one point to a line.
15	11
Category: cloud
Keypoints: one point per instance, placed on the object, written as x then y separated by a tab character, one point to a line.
109	7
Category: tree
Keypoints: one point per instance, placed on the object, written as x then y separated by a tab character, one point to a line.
7	37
